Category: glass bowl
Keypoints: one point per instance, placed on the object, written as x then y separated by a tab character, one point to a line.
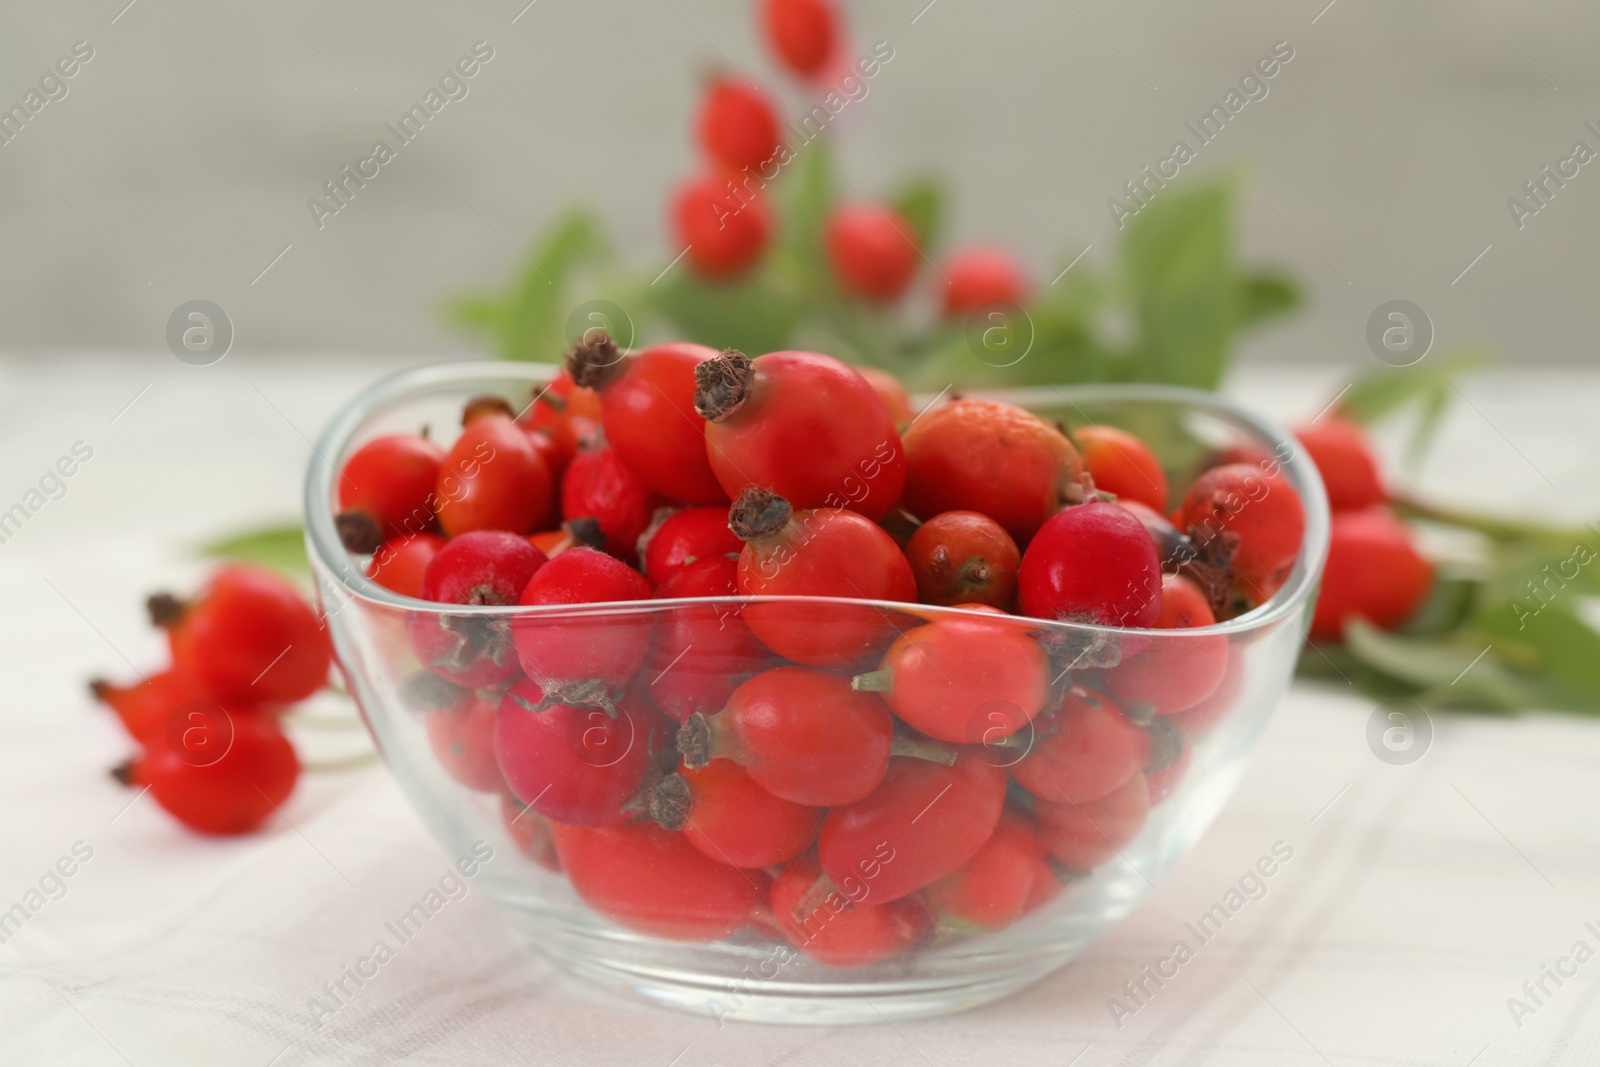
670	914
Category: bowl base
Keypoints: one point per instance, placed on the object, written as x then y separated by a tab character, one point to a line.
796	1003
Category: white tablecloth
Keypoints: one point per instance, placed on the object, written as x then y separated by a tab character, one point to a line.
1418	900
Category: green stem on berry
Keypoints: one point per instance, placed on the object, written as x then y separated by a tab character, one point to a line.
921	748
873	682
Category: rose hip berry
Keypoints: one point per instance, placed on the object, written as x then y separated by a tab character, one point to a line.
580	764
1345	459
968	681
1253	522
530	832
1122	464
873	251
400	562
685	536
566	649
934	817
654	881
822	553
248	639
462	738
800	734
561	418
1085	749
803	425
493	478
964	557
1374	572
891	392
1092	563
990	890
1081	836
483	567
723	235
232	794
647	409
145	708
993	458
729	818
801	32
737	125
1174	674
700	653
600	486
386	490
837	931
974	277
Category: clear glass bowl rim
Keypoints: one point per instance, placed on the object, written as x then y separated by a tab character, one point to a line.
322	539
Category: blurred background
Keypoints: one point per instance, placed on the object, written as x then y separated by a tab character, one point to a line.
179	163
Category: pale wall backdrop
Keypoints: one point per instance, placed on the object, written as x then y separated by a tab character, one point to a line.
179	163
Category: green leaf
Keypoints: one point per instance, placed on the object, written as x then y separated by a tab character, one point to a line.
536	325
749	315
1178	255
281	547
1387	390
479	313
921	203
1266	295
1450	603
805	199
1444	670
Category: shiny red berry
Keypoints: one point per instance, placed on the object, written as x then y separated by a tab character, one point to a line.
738	126
964	557
685	536
977	276
652	880
233	793
479	568
1084	749
803	425
802	735
493	478
700	652
801	32
647	409
967	681
145	707
1173	674
581	764
561	418
825	924
932	818
462	738
600	486
873	251
1081	836
996	459
400	562
386	490
1252	520
250	638
992	889
723	233
1346	461
1092	563
1374	572
1122	464
729	818
565	648
829	554
530	832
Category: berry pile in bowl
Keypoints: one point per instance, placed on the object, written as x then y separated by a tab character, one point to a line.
782	698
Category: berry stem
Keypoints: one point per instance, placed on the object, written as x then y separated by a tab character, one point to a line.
873	682
701	740
758	513
671	802
594	360
165	609
922	748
